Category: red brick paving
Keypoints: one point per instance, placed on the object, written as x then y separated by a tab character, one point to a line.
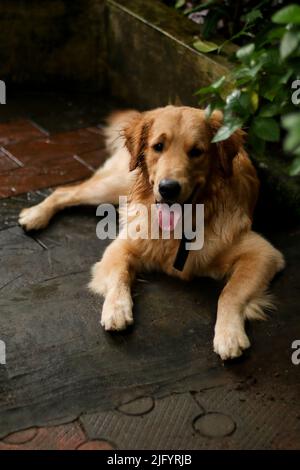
17	131
31	178
92	159
30	161
63	437
6	163
78	141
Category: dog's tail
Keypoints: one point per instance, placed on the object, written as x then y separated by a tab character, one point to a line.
255	309
113	132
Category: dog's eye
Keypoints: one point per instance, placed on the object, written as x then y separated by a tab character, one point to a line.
195	152
158	147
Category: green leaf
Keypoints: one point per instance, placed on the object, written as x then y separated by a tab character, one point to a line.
212	88
276	33
285	77
179	3
227	130
227	88
247	73
224	133
289	43
254	101
205	46
288	14
266	129
258	145
233	100
295	167
271	86
291	122
208	111
252	16
245	52
270	110
218	84
237	108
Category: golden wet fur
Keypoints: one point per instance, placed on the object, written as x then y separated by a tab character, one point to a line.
227	185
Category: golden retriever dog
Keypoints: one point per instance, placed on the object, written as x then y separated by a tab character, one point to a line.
167	156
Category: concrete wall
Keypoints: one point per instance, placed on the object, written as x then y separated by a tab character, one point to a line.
53	41
146	67
123	46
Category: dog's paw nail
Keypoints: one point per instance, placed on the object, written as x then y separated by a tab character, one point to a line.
117	316
230	344
32	218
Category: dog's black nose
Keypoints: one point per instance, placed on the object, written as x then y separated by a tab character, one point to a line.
169	189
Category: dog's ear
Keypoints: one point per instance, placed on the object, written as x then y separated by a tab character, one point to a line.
136	139
226	149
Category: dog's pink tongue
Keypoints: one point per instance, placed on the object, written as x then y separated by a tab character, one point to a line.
167	218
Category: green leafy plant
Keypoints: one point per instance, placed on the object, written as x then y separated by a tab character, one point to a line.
233	19
257	94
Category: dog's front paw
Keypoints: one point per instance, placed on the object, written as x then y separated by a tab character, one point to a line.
33	218
117	314
230	342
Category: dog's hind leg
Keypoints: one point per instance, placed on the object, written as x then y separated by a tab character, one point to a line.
105	186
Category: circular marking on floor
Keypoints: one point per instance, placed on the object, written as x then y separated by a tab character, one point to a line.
21	437
137	407
214	425
96	445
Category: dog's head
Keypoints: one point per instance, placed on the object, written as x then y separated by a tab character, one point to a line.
173	147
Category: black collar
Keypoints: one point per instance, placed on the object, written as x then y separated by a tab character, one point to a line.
182	253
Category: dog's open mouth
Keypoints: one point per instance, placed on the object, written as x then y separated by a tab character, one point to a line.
168	217
170	213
